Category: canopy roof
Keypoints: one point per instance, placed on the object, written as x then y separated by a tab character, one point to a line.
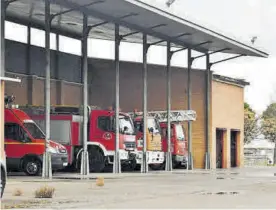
132	16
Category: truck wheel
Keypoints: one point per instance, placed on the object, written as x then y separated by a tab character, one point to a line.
183	166
3	181
138	167
32	166
175	164
130	165
157	167
96	160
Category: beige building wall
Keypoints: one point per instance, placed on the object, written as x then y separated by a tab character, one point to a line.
227	113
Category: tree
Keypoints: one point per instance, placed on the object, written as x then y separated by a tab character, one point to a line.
270	111
251	129
268	125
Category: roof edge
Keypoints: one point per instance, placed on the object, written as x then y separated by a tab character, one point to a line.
230	80
257	52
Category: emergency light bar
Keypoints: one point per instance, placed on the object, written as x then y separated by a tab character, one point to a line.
176	115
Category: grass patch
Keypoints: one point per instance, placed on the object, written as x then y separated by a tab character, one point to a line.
45	192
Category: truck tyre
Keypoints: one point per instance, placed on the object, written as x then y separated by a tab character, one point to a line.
32	166
138	167
3	181
175	165
96	160
157	167
131	164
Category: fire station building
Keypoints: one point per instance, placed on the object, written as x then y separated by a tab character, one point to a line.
227	95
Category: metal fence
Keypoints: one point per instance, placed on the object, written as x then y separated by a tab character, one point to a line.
257	160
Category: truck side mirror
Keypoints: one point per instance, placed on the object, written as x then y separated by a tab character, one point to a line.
24	137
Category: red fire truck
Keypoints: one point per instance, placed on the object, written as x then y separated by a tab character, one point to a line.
25	144
179	142
66	128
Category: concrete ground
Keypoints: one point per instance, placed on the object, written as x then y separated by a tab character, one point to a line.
236	188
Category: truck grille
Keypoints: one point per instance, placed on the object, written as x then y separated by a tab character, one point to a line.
130	145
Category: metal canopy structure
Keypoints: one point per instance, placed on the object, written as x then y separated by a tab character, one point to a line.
133	17
129	21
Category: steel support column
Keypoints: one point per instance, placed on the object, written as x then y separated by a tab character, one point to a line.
28	53
85	155
2	74
28	67
189	90
59	97
47	165
169	154
144	166
117	161
207	113
57	58
3	50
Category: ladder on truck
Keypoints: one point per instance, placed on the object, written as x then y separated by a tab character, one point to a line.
175	116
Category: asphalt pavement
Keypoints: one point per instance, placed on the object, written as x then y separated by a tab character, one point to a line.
247	188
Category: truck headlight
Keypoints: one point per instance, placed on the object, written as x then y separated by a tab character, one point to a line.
52	150
61	150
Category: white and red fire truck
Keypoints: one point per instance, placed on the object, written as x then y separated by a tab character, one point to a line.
66	128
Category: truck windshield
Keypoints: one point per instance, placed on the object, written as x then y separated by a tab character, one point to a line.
152	123
34	130
126	125
179	132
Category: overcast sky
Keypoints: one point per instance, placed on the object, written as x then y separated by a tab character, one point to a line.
241	19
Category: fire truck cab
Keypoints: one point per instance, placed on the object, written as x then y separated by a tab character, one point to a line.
66	124
179	143
25	144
